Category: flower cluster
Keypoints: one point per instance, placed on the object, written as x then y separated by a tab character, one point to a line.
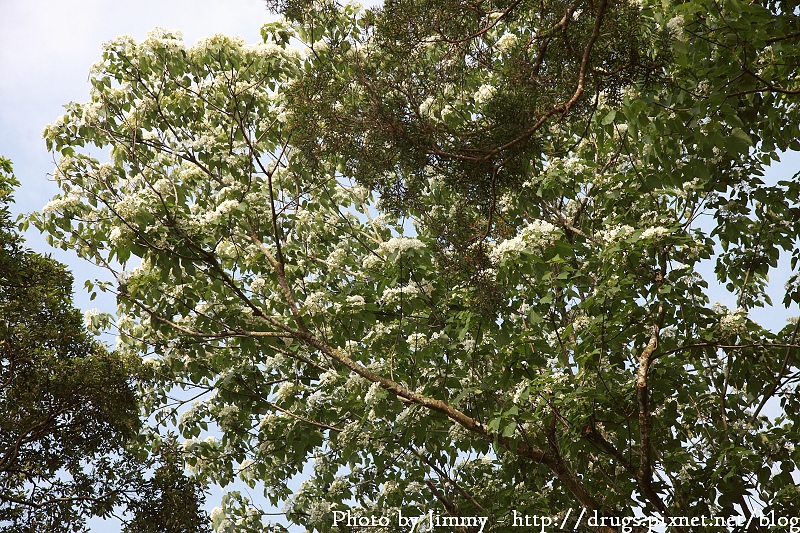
537	234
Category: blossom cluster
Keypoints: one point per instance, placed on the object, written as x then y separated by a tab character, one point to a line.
537	234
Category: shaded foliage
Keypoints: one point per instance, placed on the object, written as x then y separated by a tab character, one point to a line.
68	408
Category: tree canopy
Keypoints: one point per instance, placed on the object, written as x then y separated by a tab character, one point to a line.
448	257
69	411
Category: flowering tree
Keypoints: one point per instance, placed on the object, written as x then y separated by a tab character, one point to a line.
540	340
69	413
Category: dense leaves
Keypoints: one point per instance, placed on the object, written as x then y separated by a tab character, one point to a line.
476	90
323	249
68	407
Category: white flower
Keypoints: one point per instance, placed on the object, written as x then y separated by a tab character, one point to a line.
401	244
389	487
188	415
163	186
506	42
129	206
263	49
417	341
318	510
159	37
337	257
668	333
397	294
484	94
61	204
494	15
447	111
320	46
245	465
286	391
615	233
125	322
258	284
655	233
91	112
224	526
537	233
360	193
457	432
426	106
371	261
356	301
380	222
521	388
227	206
89	318
316	303
580	323
553	339
350	346
675	27
375	393
216	43
574	165
468	344
339	486
228	413
268	420
329	377
734	322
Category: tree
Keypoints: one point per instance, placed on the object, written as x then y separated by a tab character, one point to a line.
68	406
541	341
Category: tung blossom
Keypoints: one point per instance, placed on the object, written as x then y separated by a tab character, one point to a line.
615	233
417	341
426	107
484	94
356	301
506	42
655	233
89	317
537	233
394	295
675	27
401	244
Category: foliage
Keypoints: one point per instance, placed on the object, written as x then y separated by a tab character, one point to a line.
532	343
68	406
169	501
474	90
